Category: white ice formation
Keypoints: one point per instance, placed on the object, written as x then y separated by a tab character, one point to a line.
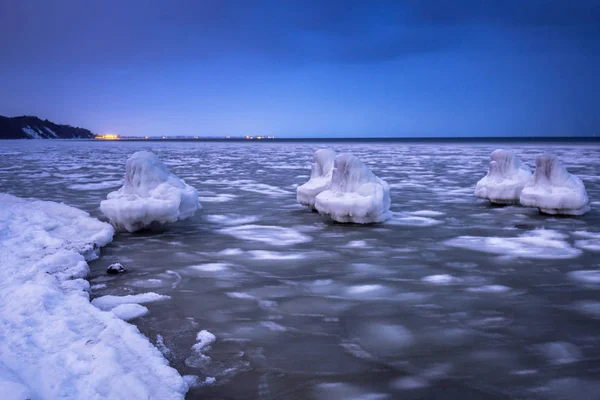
356	194
150	194
320	177
54	344
505	179
553	190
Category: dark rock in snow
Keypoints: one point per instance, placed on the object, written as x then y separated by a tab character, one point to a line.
115	268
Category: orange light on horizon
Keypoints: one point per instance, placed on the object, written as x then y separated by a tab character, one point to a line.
108	137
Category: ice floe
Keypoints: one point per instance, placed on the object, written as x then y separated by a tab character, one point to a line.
129	311
505	179
96	186
150	194
203	340
402	219
442	279
553	190
489	289
109	302
536	244
560	352
591	241
273	235
55	344
232	219
356	194
591	276
320	177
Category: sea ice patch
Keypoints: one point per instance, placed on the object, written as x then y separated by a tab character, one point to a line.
443	279
402	219
544	244
273	235
586	276
109	302
232	219
129	311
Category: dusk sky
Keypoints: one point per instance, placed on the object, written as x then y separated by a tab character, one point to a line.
305	68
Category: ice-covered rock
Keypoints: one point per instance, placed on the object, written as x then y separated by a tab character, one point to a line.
54	344
116	268
150	194
320	177
356	194
505	179
553	190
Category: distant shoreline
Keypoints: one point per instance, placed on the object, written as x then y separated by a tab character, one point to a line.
581	139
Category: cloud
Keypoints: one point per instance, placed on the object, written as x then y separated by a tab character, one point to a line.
116	33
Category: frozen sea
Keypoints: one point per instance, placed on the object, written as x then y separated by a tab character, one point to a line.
450	299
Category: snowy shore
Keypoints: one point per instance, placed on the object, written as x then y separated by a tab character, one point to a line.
53	342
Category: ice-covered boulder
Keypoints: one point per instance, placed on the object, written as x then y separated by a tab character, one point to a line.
356	194
505	179
553	190
150	194
320	177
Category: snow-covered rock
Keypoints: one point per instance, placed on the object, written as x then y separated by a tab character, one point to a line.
116	268
505	179
54	343
553	190
320	177
356	194
150	194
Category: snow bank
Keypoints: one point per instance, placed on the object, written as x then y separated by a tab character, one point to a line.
505	179
54	343
320	177
553	190
356	194
150	194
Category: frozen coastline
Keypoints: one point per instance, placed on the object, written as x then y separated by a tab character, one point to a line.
55	343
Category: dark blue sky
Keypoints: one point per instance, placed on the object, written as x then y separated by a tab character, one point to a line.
305	68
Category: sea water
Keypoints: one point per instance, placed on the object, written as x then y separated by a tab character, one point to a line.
452	298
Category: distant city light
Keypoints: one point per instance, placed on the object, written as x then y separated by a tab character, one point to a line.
108	137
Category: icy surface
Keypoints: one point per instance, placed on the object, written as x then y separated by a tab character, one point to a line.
55	344
320	177
537	244
505	179
553	190
296	321
109	302
356	194
150	194
129	311
273	235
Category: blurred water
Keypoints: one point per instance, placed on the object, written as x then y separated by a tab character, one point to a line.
306	308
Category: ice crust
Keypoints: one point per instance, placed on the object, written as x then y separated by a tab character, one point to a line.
320	177
553	190
505	179
150	194
356	194
54	343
